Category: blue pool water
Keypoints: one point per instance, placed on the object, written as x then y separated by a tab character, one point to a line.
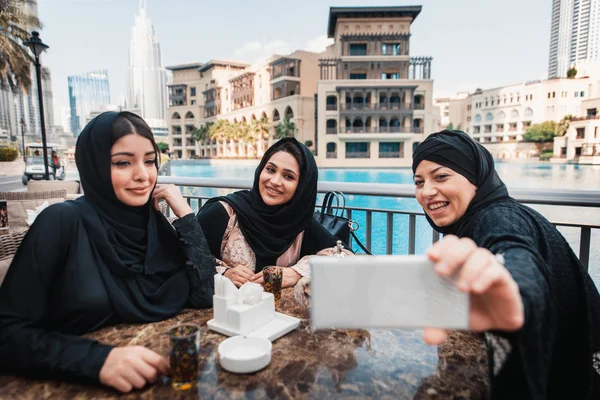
515	175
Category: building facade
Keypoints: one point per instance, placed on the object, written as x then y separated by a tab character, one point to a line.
146	79
581	143
503	114
282	88
87	92
574	35
374	101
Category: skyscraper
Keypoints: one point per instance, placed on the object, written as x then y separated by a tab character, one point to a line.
146	80
574	35
87	93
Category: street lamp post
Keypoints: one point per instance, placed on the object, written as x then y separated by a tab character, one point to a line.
23	138
37	47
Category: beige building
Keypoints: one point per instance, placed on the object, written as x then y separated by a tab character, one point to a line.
581	143
374	100
503	114
280	88
454	111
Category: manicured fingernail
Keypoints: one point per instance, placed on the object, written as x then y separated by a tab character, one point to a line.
431	252
462	286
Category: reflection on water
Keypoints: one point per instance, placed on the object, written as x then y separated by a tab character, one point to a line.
584	177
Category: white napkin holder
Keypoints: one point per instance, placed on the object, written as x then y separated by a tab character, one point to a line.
247	311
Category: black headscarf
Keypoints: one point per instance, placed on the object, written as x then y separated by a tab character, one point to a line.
271	230
457	151
139	257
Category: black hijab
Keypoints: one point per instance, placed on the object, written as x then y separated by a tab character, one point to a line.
457	151
137	251
271	230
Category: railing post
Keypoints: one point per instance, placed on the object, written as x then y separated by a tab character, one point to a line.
368	227
436	236
584	246
412	228
390	232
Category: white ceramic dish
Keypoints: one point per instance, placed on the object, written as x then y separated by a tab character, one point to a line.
243	355
279	326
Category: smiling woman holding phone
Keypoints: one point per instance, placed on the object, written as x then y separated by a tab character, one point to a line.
537	305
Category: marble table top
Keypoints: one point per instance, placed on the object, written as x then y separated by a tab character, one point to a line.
393	364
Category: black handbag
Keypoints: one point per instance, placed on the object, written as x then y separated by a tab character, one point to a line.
335	222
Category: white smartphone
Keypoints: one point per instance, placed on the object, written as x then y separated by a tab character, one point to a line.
384	292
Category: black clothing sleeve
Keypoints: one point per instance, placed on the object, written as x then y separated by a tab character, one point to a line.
200	264
524	369
26	347
213	219
315	239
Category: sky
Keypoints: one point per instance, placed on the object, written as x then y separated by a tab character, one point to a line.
474	43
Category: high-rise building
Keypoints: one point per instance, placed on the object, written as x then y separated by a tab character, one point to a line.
87	92
574	35
146	79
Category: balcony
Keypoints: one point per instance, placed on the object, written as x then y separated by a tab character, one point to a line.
336	69
389	154
331	107
284	88
359	154
285	66
381	129
331	154
177	95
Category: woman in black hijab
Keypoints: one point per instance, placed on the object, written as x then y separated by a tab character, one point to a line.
273	223
529	292
106	258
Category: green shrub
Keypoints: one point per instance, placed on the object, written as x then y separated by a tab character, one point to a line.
308	143
8	154
546	155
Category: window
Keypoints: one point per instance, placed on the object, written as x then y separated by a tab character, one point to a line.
582	94
358	49
580	133
390	76
553	94
193	91
478	118
390	49
391	150
331	150
576	94
193	102
357	150
591	112
358	76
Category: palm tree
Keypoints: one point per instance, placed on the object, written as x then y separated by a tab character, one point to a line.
563	126
15	59
259	131
286	128
201	134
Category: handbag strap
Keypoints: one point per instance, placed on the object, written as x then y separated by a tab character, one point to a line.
358	242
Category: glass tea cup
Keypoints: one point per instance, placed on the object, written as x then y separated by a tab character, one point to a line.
183	350
273	278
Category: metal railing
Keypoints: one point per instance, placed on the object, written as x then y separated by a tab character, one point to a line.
555	197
